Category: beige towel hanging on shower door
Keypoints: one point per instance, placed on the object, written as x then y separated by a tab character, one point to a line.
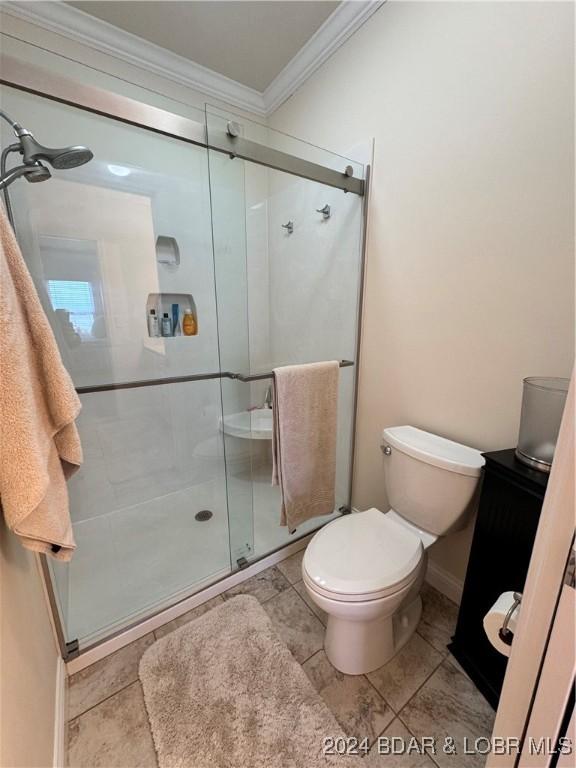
304	440
39	443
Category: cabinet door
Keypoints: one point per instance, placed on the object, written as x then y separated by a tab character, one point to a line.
502	545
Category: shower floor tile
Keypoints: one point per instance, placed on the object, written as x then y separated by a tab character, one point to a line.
129	561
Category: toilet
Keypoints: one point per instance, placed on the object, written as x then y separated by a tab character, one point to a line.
365	570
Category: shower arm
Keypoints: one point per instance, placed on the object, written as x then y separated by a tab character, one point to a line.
16	127
3	158
18	132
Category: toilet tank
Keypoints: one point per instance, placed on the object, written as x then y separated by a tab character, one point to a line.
430	481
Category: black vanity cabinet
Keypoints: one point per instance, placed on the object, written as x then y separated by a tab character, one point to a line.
508	513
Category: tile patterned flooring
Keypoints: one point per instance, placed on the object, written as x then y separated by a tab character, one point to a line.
420	692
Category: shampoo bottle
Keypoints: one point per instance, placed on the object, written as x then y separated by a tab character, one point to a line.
189	324
166	325
175	323
153	326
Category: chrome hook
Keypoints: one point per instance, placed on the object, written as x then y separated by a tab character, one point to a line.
289	227
325	211
232	129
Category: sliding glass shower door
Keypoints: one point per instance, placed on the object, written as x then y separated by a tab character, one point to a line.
110	245
288	264
175	278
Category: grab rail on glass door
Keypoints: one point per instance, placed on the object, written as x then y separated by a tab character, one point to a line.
182	379
260	376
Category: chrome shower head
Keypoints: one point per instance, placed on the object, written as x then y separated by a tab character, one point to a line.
61	158
32	151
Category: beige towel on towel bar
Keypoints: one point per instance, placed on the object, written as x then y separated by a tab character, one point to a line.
304	440
39	443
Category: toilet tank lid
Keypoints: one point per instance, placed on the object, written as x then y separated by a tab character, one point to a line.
435	450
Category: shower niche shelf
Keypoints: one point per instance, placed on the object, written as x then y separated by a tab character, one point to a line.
165	304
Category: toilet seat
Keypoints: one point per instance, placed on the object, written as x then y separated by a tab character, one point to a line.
363	556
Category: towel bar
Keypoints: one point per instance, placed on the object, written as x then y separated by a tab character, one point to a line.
259	376
183	379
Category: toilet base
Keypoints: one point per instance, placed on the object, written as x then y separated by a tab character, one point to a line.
358	647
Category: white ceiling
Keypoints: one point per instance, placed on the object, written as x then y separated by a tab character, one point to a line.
250	54
250	42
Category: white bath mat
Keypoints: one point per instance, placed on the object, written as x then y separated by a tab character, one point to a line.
225	692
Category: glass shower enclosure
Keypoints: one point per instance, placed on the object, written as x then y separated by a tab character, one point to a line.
179	267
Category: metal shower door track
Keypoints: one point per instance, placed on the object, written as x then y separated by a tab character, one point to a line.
32	79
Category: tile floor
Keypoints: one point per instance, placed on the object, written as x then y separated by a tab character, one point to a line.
421	692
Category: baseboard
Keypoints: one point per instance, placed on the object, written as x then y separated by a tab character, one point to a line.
444	582
59	759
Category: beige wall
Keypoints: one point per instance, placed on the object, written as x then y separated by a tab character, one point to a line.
470	258
28	661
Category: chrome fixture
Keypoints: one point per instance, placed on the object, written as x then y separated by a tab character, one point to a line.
33	153
33	173
62	158
505	633
268	397
386	450
325	211
289	227
232	129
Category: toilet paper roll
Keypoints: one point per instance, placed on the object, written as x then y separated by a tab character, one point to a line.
494	620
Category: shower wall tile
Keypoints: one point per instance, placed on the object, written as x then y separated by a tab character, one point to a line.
258	267
227	187
137	446
90	491
314	272
94	577
314	288
119	254
142	444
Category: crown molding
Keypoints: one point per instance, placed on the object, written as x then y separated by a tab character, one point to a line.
104	37
348	17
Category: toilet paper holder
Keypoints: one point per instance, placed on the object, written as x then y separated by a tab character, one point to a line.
505	634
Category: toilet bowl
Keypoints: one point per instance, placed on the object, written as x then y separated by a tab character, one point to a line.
365	570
